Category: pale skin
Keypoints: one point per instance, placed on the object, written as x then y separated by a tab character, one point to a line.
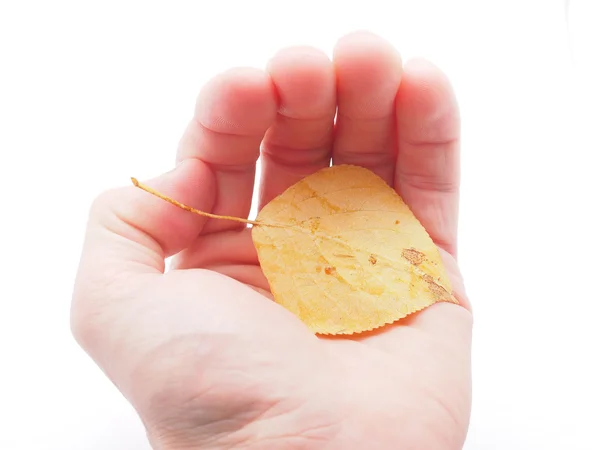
202	352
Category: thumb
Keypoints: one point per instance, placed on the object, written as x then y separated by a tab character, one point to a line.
129	235
130	230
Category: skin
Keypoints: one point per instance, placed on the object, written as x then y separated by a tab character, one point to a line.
207	359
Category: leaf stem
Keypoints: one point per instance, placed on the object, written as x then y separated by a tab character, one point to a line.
148	189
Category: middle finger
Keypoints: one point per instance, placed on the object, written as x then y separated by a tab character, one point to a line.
368	71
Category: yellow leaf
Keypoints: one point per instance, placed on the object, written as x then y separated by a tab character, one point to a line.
342	251
348	255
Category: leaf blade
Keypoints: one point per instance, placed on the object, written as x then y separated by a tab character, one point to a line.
369	262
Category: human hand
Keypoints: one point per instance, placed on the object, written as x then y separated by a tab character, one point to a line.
207	359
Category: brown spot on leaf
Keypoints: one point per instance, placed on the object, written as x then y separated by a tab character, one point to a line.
413	256
372	259
329	270
397	222
437	290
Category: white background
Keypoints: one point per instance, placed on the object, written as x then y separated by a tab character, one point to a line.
92	93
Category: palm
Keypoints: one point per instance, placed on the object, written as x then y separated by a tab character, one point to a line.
421	368
217	363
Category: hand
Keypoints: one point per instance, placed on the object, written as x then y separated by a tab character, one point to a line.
201	351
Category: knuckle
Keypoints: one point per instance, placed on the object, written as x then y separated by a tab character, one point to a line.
106	202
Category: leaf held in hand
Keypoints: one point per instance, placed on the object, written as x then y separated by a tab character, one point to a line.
343	252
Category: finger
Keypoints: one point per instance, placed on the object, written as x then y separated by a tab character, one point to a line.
251	276
233	112
428	165
233	246
368	71
299	143
131	231
129	235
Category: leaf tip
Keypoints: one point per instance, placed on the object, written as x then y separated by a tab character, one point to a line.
135	182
